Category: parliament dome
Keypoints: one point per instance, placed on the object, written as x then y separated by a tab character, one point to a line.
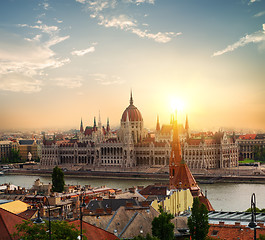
133	113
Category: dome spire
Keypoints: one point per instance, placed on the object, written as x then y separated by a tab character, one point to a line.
131	98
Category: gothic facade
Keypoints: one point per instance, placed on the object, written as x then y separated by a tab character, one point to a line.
131	146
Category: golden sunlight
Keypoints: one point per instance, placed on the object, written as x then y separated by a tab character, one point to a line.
176	104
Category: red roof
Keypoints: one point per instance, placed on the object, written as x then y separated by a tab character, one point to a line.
133	113
247	136
8	222
94	233
232	232
206	202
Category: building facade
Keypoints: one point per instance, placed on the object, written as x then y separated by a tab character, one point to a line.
131	146
249	143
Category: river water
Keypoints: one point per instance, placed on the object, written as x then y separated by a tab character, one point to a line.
223	196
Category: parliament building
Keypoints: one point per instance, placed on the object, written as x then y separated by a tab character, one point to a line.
131	147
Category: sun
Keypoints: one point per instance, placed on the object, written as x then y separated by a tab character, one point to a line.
177	104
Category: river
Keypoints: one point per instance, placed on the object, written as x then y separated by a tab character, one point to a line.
223	196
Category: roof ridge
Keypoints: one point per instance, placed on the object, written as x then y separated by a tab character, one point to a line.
127	225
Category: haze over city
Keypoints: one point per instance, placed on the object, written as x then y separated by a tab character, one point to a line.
67	59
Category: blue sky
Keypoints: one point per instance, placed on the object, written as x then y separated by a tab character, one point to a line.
66	59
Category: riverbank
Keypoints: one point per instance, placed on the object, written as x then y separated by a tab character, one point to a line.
160	177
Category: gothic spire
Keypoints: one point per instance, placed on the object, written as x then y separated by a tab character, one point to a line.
108	127
187	123
131	99
157	124
81	126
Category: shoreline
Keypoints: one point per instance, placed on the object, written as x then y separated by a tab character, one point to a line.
200	178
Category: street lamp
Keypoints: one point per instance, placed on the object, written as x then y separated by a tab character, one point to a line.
252	223
39	219
81	216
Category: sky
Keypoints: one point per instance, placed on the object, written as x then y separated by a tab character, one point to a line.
64	60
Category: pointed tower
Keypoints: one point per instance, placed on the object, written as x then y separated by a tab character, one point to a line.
95	124
108	127
187	128
81	127
131	99
157	124
180	176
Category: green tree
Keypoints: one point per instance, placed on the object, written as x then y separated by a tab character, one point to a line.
57	180
261	237
59	229
15	156
148	237
198	221
162	228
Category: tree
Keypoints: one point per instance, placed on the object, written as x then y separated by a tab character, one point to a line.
59	229
148	237
261	237
198	221
57	180
162	228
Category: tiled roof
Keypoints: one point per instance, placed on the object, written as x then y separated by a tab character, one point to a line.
154	190
15	207
206	202
247	136
114	204
93	232
8	221
232	232
28	214
133	113
128	223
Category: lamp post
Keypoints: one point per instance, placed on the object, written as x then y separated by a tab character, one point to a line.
39	220
82	205
252	223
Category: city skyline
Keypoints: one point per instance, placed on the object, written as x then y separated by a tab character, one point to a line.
66	60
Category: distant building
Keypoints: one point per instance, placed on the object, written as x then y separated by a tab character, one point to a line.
247	144
26	146
5	149
218	151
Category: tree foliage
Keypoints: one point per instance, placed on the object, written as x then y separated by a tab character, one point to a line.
59	230
147	237
261	237
198	221
162	228
257	210
259	153
57	180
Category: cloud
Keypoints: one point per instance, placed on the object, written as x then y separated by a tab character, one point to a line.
26	59
102	10
259	14
104	79
45	5
252	1
15	82
83	51
69	82
256	37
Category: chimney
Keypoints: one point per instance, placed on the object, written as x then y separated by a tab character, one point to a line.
221	223
132	190
140	188
145	204
129	205
99	211
109	210
237	224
